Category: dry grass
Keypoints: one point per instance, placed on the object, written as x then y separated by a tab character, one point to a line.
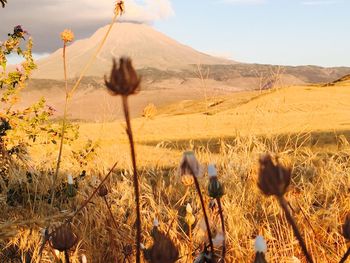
279	122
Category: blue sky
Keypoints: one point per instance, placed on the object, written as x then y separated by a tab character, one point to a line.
288	32
285	32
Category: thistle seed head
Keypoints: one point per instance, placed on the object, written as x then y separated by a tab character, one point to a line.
123	79
63	238
274	179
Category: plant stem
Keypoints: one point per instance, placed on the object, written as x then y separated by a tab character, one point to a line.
136	179
66	256
110	212
284	205
63	125
221	213
345	257
204	213
93	57
95	191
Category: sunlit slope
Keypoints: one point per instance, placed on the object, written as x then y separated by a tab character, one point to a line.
287	110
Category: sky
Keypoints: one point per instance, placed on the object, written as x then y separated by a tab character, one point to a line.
284	32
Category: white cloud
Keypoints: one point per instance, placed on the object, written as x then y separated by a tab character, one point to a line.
45	19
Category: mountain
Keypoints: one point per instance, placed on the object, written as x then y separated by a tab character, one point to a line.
147	47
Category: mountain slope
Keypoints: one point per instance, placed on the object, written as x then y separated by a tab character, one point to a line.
148	48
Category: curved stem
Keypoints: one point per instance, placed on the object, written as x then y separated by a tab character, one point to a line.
284	205
345	257
135	178
204	213
221	213
95	191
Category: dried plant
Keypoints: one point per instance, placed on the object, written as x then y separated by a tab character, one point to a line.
274	179
124	81
346	234
189	166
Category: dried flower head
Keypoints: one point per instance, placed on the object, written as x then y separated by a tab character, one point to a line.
163	248
3	2
215	188
67	36
274	179
103	191
119	8
346	228
189	167
124	79
63	238
260	248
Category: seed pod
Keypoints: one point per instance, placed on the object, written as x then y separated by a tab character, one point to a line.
123	79
63	238
103	191
215	188
189	167
274	179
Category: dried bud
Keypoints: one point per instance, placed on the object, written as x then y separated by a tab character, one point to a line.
123	80
119	8
71	190
274	179
189	218
259	258
63	238
346	228
67	36
215	188
189	167
163	249
103	191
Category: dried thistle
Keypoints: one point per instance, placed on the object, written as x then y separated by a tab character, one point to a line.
67	36
274	179
119	8
123	79
189	167
215	188
3	2
103	190
63	238
163	249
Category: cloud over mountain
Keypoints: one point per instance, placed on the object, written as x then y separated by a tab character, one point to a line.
45	19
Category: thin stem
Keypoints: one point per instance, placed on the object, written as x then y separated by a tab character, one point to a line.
66	256
63	125
191	242
93	57
204	213
95	191
284	205
345	257
136	179
221	213
110	212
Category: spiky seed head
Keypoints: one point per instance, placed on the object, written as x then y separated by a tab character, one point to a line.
63	238
67	36
123	80
274	179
